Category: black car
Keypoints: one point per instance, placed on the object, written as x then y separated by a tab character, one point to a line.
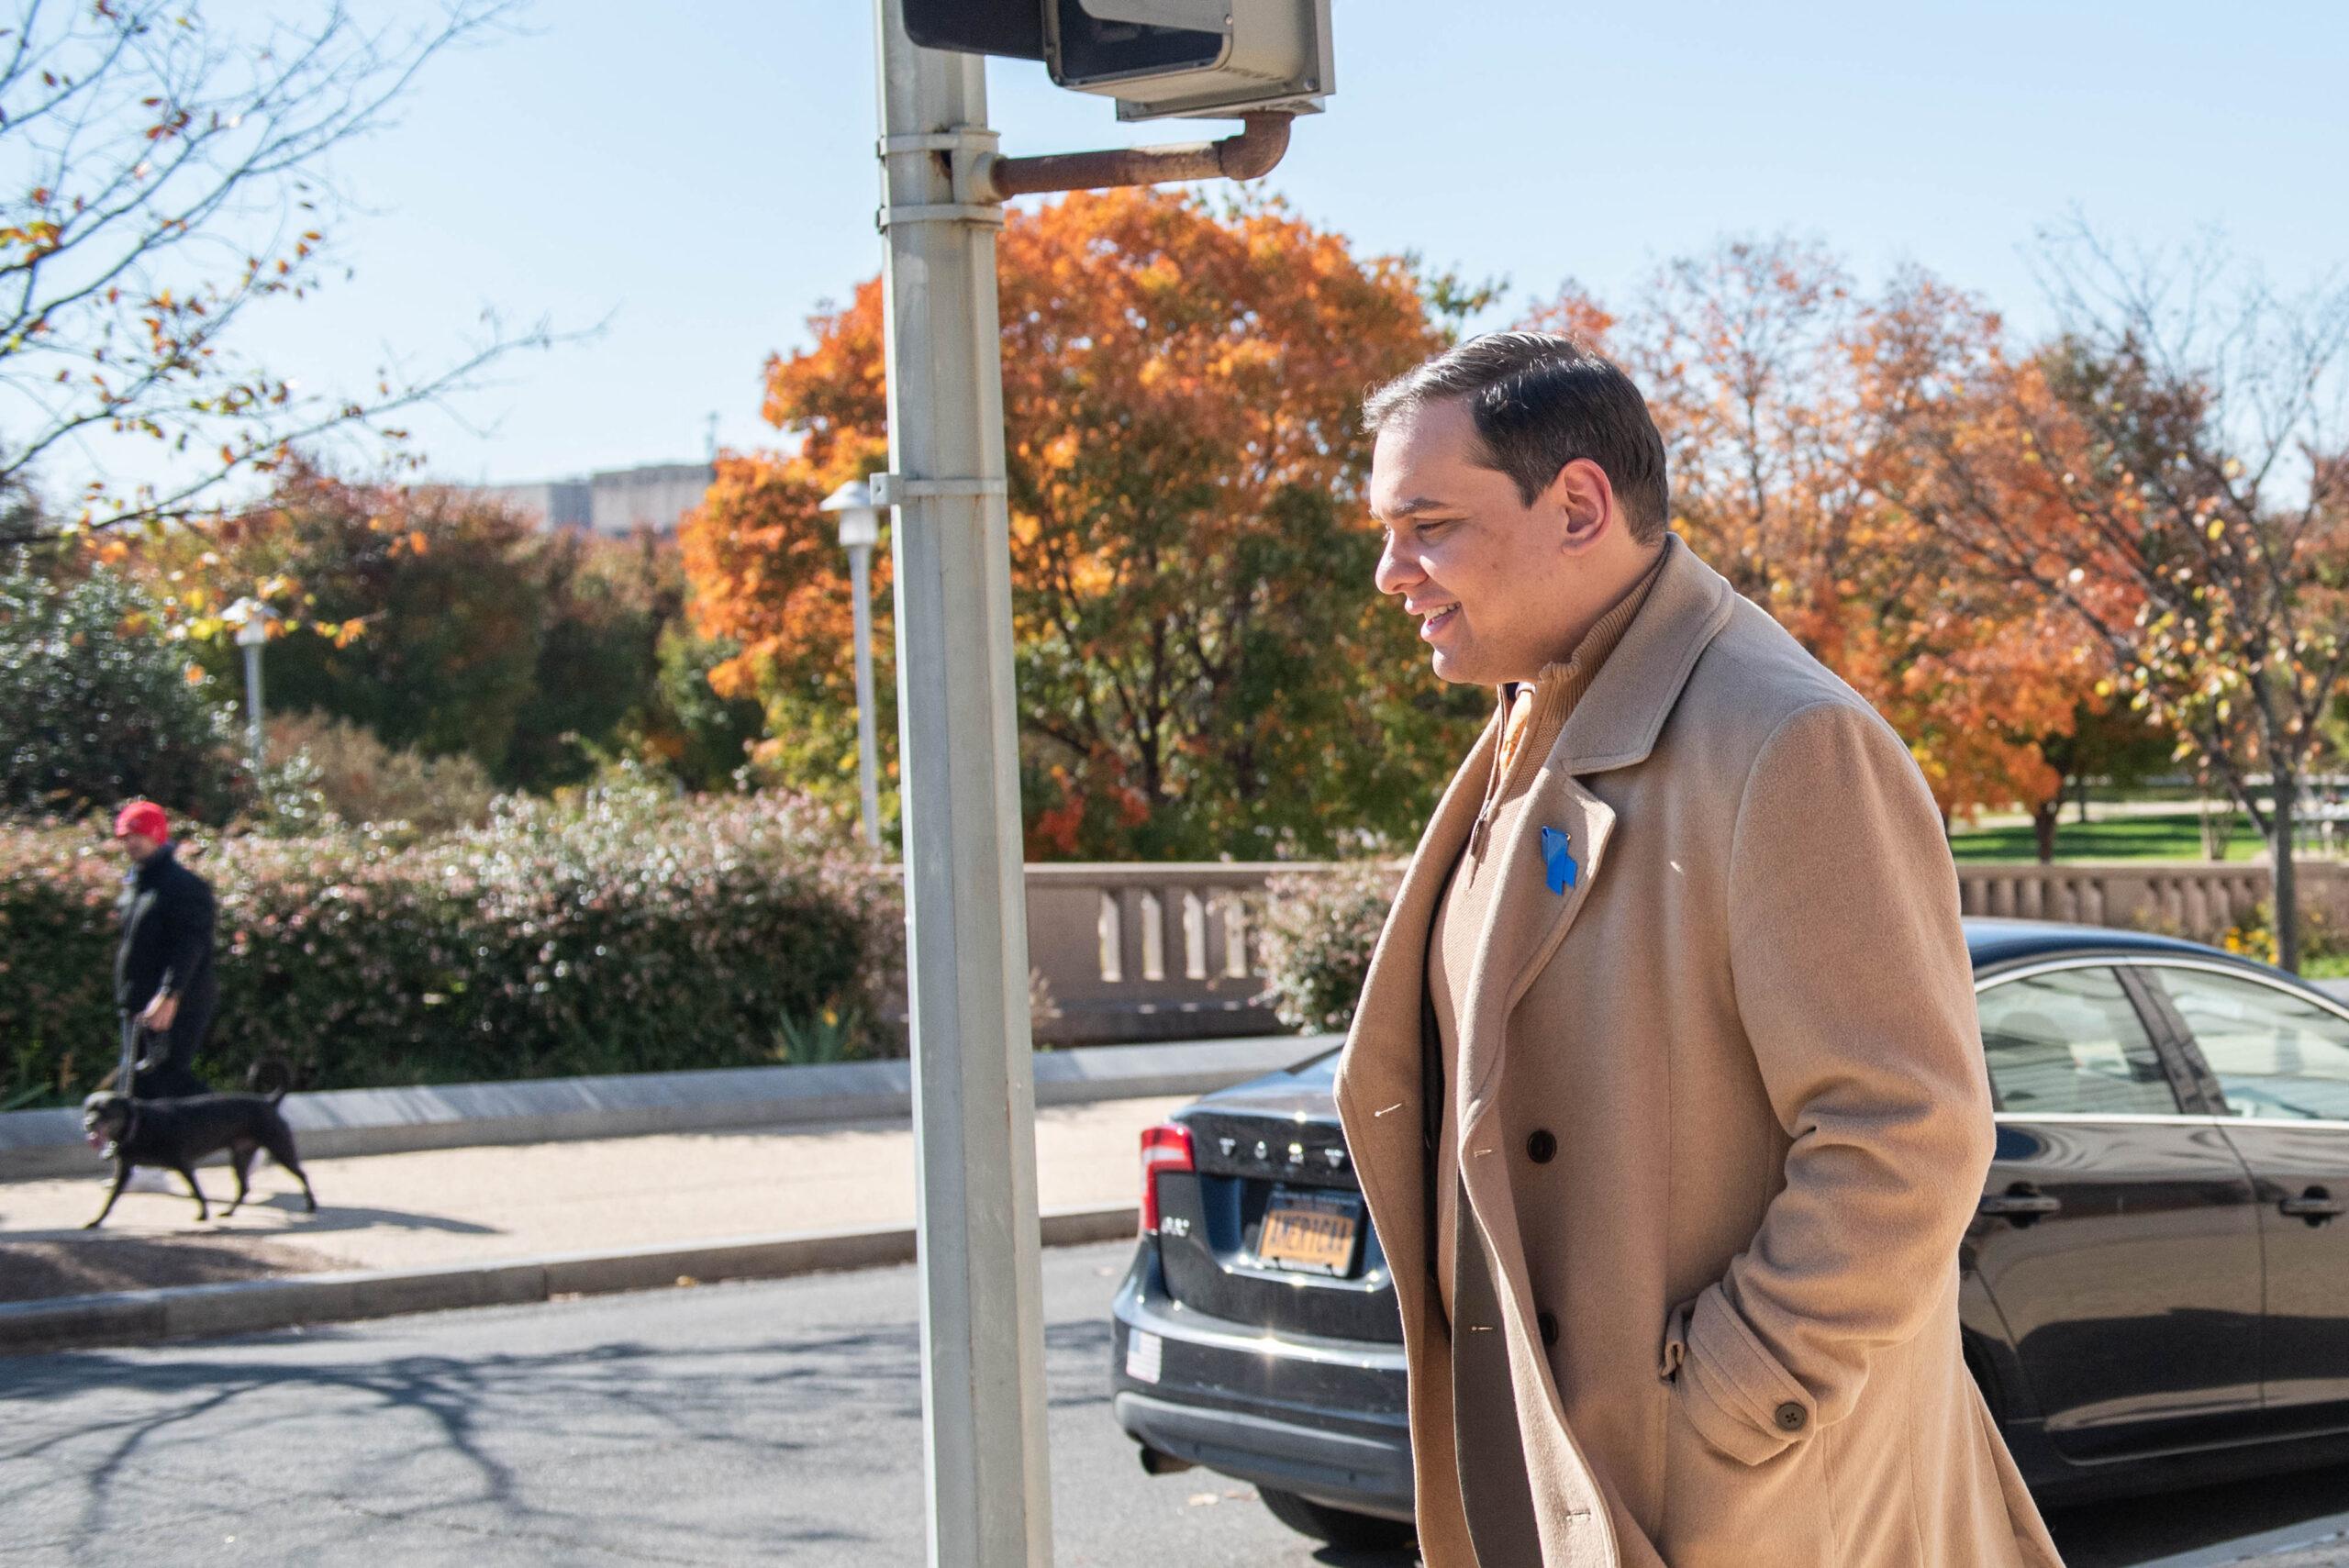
2156	1286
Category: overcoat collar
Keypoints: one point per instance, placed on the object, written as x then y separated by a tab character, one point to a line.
1616	722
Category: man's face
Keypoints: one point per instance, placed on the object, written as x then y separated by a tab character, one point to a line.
1482	573
137	847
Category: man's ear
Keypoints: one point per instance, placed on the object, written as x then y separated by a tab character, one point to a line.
1583	502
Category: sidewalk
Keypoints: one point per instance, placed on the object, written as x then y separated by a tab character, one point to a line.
455	1207
2317	1543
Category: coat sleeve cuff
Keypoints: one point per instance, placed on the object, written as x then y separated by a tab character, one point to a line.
1733	1390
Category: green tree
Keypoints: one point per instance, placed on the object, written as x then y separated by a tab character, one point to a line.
596	679
700	737
101	706
2107	740
414	612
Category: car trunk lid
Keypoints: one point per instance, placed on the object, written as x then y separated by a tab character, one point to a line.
1269	1227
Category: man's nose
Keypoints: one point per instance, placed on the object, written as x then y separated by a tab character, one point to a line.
1398	571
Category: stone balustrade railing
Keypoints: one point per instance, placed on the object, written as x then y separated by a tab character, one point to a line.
1159	951
1165	951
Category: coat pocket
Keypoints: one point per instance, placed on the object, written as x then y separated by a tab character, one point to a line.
1719	1511
1730	1386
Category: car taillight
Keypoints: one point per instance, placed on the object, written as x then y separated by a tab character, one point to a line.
1167	1147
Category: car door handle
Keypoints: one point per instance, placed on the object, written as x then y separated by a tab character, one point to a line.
2021	1203
2316	1206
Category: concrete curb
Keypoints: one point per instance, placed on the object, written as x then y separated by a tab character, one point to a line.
548	1110
249	1307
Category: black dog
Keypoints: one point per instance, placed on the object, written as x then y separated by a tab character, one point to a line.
175	1134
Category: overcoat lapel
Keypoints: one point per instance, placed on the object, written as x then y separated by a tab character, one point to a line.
1526	921
1614	726
1378	1086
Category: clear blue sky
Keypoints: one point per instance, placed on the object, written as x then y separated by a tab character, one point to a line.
701	173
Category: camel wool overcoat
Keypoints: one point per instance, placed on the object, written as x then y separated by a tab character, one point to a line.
1723	1119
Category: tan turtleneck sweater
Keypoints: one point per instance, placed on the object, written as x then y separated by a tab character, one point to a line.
1467	896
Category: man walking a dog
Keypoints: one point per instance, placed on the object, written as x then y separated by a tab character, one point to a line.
1665	1089
163	982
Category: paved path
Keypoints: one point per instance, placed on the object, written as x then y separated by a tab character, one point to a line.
456	1205
2098	811
742	1423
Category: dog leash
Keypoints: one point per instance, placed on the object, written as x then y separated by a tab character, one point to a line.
129	1053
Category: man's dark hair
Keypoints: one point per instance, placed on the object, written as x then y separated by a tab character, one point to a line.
1540	402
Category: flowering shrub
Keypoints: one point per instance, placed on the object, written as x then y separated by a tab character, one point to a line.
2254	936
1315	931
620	928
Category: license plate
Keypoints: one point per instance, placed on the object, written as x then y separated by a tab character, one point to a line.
1310	1230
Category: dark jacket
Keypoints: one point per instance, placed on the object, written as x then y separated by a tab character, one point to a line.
167	914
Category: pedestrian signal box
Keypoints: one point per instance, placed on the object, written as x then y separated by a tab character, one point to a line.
1157	58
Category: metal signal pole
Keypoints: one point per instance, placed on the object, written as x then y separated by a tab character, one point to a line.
982	1317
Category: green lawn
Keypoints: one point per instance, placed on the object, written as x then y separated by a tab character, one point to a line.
2166	838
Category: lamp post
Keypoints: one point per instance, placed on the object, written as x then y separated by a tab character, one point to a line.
252	618
860	522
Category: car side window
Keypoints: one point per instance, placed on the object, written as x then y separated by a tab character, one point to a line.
2275	1054
2069	1042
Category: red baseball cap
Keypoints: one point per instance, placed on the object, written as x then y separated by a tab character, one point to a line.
145	818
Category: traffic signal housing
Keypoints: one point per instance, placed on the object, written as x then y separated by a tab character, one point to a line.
1157	58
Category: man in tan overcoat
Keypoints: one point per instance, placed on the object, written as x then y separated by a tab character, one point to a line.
1665	1089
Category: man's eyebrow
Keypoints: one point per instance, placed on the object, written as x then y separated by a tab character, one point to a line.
1411	509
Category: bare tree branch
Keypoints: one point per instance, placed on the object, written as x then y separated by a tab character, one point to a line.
160	179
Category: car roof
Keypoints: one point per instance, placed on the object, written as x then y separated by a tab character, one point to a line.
1994	941
1991	943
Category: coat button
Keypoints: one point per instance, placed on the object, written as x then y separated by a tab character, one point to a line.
1542	1147
1791	1416
1548	1321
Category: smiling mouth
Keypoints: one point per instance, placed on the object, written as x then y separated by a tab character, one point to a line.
1437	622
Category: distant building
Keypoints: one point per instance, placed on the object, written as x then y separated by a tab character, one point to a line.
615	502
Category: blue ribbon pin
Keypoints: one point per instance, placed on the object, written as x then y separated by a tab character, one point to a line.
1558	860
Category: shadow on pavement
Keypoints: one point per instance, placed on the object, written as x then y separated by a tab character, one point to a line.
346	1216
2135	1530
329	1216
1088	1340
103	1420
39	1266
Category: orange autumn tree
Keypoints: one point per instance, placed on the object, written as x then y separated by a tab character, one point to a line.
769	581
1782	395
1204	666
2005	696
2171	474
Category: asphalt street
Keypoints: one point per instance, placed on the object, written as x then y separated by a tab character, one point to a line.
742	1423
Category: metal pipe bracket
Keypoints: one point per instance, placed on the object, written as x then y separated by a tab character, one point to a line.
1252	153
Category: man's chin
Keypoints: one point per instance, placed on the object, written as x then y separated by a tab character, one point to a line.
1449	667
